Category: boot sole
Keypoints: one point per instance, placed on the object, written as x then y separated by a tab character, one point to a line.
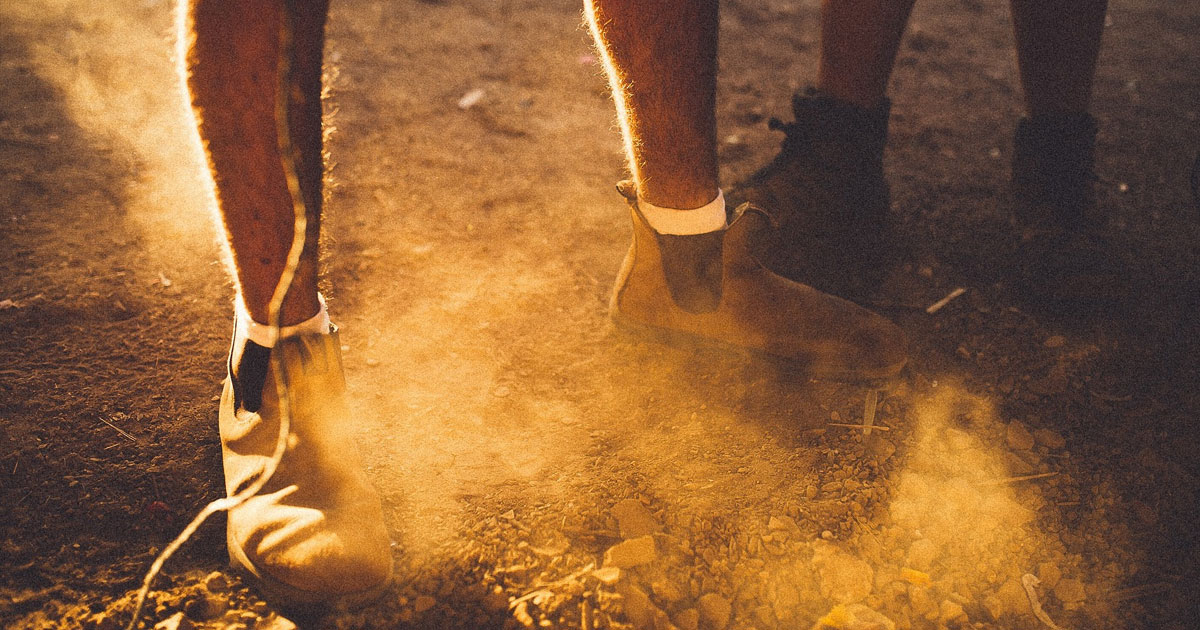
881	378
284	594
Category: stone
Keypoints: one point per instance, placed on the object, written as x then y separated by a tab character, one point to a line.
879	447
922	603
1018	436
842	577
1013	598
1055	341
1049	438
216	583
640	611
951	611
714	611
423	603
631	553
921	554
1049	574
275	622
993	606
1070	591
666	591
634	520
175	622
854	617
782	523
607	575
687	619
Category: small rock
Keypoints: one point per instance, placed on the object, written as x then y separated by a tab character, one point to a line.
921	554
638	607
1013	598
216	582
714	611
1055	341
993	606
687	619
921	603
501	392
275	622
175	622
879	447
423	603
631	553
853	617
842	577
1070	591
1049	439
666	591
782	523
1018	436
1049	574
634	520
950	611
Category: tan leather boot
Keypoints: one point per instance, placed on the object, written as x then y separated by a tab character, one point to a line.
315	533
708	287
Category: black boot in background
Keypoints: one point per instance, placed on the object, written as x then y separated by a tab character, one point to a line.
1065	262
826	193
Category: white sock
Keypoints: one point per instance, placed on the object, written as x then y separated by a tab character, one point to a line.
264	335
707	218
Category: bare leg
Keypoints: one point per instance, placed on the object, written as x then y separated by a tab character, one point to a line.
1058	42
859	40
233	75
661	58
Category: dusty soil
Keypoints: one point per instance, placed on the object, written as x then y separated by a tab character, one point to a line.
515	436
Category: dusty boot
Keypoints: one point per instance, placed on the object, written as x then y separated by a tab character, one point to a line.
827	194
315	533
1066	261
710	288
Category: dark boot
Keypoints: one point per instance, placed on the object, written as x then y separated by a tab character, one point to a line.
827	194
1066	261
710	288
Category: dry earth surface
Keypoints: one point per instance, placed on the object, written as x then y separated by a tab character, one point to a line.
537	467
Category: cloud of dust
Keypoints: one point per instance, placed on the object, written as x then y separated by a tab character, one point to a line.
953	495
114	65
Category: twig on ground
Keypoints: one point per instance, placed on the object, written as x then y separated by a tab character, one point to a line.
937	306
1135	592
865	427
998	482
120	430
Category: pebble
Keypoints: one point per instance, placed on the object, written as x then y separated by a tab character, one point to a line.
216	582
1049	574
714	611
631	553
423	603
854	617
1049	439
638	607
175	622
842	577
634	520
275	622
921	554
687	619
1055	341
1018	436
1069	591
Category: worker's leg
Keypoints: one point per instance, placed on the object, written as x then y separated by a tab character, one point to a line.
688	272
859	40
315	532
826	185
1066	259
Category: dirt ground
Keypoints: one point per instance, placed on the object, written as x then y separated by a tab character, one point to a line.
515	436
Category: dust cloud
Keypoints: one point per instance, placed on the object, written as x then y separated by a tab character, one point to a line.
114	64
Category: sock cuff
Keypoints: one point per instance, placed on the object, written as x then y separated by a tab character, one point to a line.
264	335
707	218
